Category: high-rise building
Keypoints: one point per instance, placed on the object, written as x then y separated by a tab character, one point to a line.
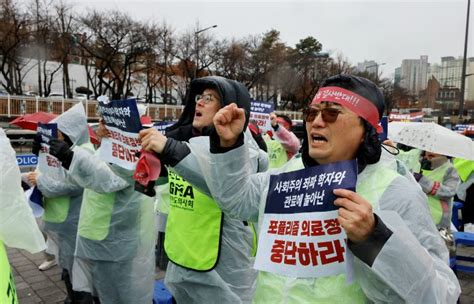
448	73
367	66
414	74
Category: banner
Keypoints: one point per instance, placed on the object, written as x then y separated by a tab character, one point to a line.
300	235
260	115
123	122
47	162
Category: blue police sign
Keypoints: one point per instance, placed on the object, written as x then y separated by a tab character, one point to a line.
27	160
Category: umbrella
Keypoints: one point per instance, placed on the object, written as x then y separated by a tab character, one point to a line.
30	121
432	137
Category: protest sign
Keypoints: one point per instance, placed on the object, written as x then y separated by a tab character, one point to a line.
300	235
260	115
47	162
123	122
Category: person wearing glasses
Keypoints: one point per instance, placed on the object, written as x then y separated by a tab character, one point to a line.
394	253
211	253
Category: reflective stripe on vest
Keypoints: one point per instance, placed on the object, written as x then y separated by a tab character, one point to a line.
193	227
434	203
56	209
276	153
272	288
7	284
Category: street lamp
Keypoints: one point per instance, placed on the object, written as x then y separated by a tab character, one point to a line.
463	75
376	69
196	36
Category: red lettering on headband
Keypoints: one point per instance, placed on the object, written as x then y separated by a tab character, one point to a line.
354	102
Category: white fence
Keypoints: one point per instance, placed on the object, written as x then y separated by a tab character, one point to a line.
13	106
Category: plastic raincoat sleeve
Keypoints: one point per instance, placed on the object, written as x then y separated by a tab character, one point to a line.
232	184
413	263
189	169
18	227
447	189
52	187
92	173
288	140
414	260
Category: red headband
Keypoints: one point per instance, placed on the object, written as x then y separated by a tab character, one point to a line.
354	102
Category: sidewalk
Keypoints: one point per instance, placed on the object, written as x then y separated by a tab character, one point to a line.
34	286
46	287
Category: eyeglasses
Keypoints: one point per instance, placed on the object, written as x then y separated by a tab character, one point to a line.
206	98
328	114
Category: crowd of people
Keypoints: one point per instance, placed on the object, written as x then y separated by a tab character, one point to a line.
252	218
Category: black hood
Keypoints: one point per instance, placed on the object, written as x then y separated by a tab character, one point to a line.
229	91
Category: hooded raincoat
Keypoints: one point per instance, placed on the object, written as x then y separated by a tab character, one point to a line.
18	227
402	261
116	233
232	279
62	196
411	266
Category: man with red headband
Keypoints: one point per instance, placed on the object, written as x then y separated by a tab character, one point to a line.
393	253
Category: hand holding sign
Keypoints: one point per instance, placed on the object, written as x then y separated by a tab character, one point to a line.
355	216
102	130
152	140
229	123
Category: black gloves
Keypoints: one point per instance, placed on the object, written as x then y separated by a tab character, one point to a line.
60	149
36	145
417	176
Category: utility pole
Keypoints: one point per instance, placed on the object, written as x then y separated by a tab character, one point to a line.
463	75
196	37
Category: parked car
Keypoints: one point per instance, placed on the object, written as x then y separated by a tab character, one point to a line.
55	95
20	137
80	96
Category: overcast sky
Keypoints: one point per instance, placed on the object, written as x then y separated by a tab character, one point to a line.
384	31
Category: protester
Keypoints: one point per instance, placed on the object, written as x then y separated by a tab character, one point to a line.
440	181
398	255
18	228
282	144
210	252
465	191
62	196
116	235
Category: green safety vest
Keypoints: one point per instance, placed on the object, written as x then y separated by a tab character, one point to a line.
7	284
56	209
276	153
193	227
96	214
464	167
273	288
434	203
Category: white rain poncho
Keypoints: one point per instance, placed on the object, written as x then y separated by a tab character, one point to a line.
18	226
62	195
116	233
412	266
233	278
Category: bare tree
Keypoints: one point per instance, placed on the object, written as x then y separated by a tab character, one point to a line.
13	39
64	28
117	44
